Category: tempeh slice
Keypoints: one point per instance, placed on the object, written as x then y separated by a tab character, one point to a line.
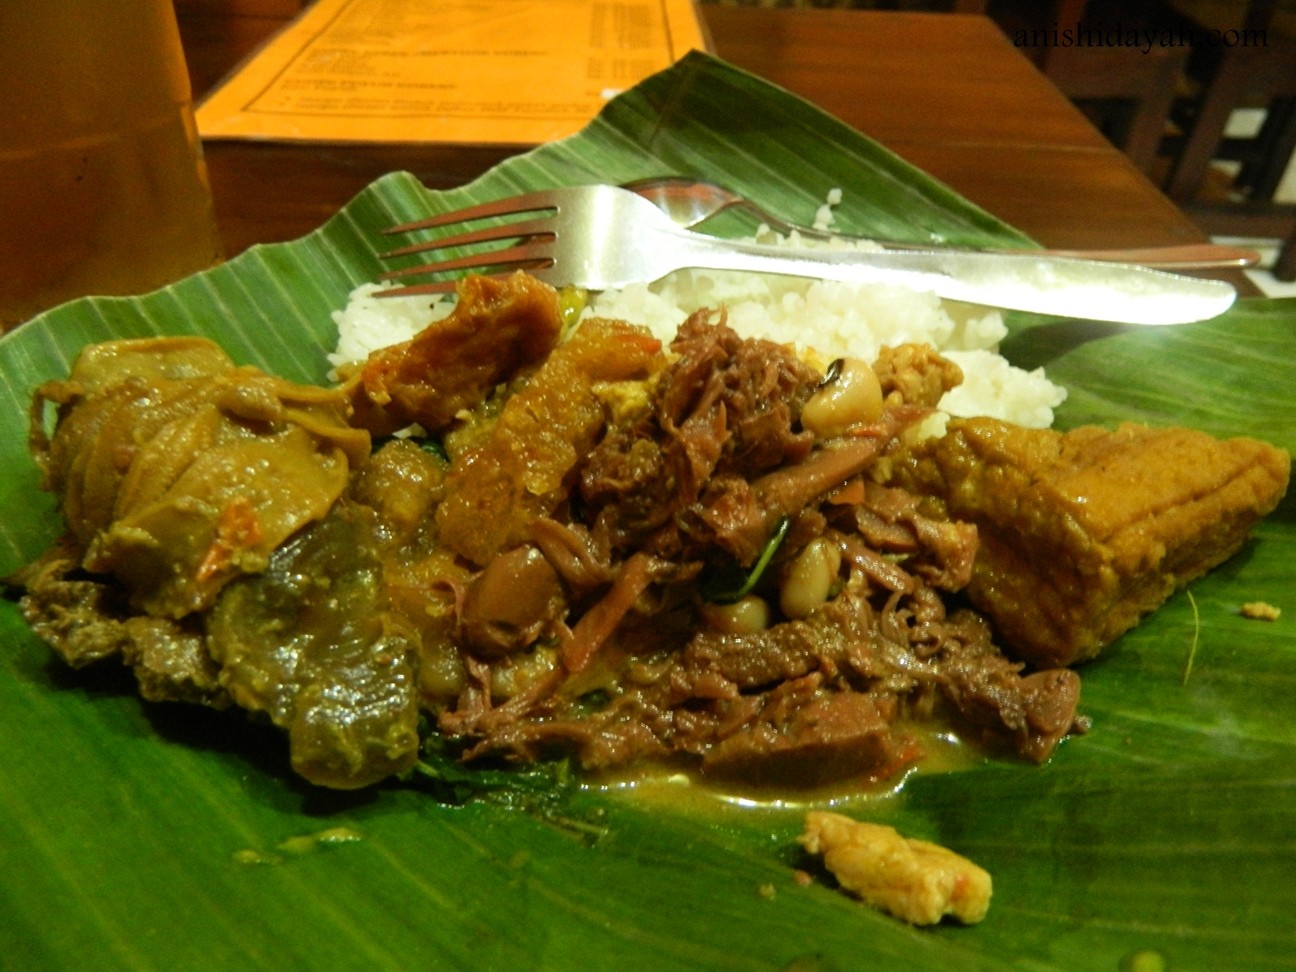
1084	532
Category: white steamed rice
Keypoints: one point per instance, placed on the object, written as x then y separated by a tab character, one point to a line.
824	317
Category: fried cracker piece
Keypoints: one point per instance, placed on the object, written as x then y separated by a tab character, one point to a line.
914	880
1084	532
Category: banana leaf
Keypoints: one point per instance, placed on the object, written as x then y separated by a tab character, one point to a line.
154	836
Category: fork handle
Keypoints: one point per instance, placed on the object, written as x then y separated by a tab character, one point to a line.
1183	256
1064	286
1187	256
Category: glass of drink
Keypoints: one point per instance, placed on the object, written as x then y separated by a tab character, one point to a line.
102	184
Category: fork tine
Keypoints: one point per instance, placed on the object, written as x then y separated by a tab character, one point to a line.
507	231
529	202
526	254
451	285
538	269
438	287
533	250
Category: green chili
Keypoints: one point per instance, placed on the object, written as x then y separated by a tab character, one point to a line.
726	586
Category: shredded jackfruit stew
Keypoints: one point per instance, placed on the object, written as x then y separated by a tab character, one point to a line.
526	542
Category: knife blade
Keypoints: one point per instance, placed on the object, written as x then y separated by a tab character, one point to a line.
1062	286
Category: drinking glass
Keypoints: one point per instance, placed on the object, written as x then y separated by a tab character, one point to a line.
103	189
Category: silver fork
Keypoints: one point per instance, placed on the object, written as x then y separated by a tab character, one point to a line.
605	237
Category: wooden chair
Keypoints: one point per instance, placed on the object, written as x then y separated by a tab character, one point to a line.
1260	72
1126	91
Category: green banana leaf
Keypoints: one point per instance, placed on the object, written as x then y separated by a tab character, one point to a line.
145	836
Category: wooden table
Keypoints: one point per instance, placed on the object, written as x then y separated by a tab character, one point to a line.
948	92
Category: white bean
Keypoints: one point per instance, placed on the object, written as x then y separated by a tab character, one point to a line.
853	397
745	616
810	578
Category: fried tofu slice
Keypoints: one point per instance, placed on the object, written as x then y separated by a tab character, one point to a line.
1084	532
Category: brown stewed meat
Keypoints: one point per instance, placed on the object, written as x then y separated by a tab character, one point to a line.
709	555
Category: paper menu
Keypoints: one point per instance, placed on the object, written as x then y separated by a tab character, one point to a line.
507	72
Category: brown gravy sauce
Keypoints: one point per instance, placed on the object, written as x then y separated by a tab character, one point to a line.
680	791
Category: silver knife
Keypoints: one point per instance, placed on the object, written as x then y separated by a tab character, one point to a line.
1061	286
